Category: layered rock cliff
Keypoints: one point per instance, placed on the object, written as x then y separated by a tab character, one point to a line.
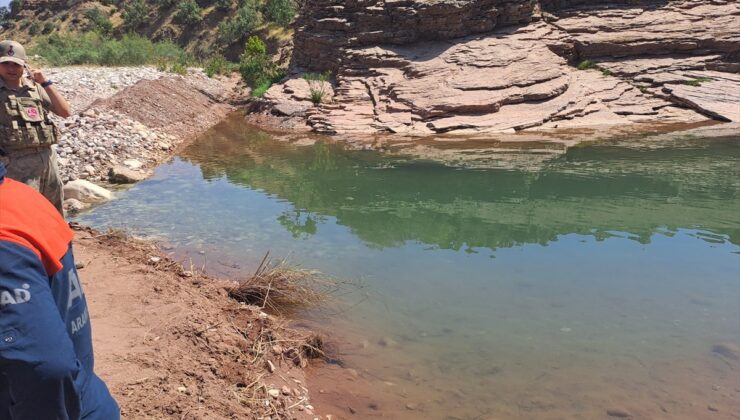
436	66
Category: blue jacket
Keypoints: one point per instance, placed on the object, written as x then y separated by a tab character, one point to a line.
46	354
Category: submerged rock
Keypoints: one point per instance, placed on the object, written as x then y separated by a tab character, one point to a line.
122	175
727	351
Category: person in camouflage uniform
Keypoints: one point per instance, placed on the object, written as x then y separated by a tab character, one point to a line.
26	132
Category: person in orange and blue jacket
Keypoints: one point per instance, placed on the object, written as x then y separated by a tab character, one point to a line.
46	352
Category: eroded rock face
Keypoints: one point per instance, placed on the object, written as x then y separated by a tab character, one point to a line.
326	27
655	62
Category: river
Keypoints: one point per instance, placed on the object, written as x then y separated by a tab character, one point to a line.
601	281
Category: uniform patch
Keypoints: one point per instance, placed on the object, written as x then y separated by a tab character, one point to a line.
17	296
10	51
32	112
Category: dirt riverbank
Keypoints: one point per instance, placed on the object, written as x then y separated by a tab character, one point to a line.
169	341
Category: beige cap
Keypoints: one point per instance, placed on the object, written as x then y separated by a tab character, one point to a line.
12	51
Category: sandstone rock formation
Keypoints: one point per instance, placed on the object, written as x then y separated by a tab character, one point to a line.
489	66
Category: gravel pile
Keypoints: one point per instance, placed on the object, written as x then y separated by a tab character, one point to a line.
94	140
81	85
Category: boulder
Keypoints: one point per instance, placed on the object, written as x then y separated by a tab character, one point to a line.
120	174
86	192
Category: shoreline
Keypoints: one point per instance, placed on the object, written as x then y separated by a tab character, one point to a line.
169	341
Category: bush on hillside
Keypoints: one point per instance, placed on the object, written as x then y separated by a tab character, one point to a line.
34	28
48	28
98	22
256	68
279	11
218	64
15	6
223	5
4	16
93	48
134	13
188	12
247	18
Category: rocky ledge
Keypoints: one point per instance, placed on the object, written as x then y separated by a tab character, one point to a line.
669	61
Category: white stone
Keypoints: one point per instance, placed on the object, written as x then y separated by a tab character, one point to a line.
86	191
133	163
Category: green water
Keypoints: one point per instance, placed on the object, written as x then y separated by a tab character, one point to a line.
598	278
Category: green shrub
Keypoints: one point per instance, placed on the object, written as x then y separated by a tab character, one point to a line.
260	90
586	64
179	68
188	12
217	64
98	21
279	11
4	16
48	28
34	29
254	65
697	81
317	86
15	6
256	68
247	18
223	5
134	13
94	48
255	46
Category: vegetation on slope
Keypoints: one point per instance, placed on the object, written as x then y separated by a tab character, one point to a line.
168	33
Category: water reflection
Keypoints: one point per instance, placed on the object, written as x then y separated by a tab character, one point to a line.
390	200
465	314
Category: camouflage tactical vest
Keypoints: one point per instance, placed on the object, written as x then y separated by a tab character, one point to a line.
25	123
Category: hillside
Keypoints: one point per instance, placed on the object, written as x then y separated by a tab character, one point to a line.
203	28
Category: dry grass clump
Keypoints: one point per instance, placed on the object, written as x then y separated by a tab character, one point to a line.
280	288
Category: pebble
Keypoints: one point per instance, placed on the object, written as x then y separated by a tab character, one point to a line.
618	412
386	342
274	393
711	407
